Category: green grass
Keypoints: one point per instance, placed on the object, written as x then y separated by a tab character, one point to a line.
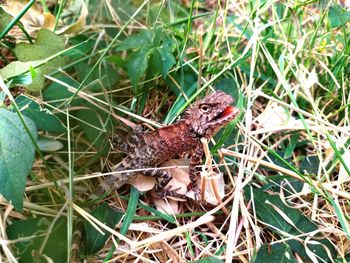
285	161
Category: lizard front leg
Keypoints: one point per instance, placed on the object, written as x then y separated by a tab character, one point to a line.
196	159
163	178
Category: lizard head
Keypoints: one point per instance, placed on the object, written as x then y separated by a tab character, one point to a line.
210	114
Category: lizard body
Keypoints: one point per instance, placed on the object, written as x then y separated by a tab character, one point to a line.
148	149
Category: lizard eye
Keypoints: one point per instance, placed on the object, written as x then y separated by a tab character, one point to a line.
204	108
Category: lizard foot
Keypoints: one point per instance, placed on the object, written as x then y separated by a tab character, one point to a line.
169	192
197	195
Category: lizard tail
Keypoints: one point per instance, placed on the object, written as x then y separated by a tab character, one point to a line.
106	186
113	181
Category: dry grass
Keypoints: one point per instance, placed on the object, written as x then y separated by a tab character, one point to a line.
294	100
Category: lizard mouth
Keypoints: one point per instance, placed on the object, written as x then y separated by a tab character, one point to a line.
227	115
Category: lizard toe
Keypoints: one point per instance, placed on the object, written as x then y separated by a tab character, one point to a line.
170	192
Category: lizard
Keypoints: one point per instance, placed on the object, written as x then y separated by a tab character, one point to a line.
148	149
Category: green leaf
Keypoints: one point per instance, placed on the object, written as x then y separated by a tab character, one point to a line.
37	83
164	60
16	156
83	46
275	253
49	145
169	44
116	60
2	97
158	36
310	164
291	145
229	86
267	212
147	43
21	80
5	19
265	209
136	66
210	259
57	94
30	234
94	129
180	101
129	216
142	40
46	45
338	16
95	241
130	211
187	79
17	68
33	72
43	118
100	79
225	134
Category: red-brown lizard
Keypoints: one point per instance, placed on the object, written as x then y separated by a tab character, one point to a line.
148	149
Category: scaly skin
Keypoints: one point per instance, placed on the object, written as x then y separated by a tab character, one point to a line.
148	149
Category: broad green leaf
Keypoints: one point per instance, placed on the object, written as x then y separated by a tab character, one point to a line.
158	36
164	60
310	164
49	145
275	253
265	209
147	43
168	43
83	46
136	66
230	86
142	40
5	19
33	72
317	245
46	45
43	118
179	102
116	60
57	94
21	80
106	76
17	68
33	232
210	259
2	97
267	212
186	77
94	129
16	156
338	16
291	145
94	240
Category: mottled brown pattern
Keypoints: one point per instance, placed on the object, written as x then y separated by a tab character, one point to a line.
148	149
